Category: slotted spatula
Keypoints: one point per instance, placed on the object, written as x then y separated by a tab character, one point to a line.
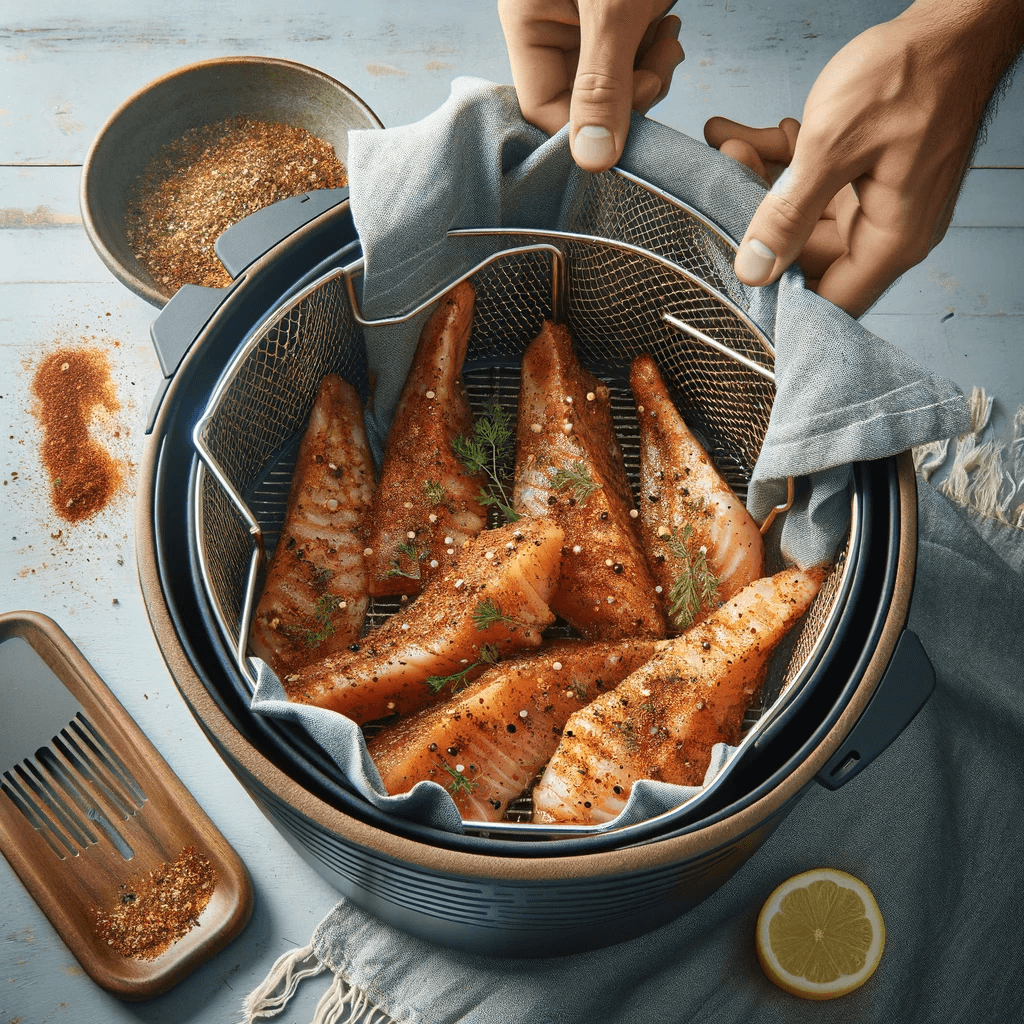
88	808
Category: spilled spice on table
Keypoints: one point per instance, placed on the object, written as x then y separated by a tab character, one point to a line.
70	384
200	184
154	911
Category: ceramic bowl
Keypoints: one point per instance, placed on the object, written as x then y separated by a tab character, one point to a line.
200	94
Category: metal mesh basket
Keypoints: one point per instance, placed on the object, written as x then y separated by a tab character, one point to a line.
621	206
619	299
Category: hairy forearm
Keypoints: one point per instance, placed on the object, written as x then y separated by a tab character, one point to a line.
977	39
888	131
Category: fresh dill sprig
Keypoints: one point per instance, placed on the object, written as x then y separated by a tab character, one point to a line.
489	655
435	492
409	549
486	449
696	587
456	679
487	613
460	782
326	605
580	690
577	478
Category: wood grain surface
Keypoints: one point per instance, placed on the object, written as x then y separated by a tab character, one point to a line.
89	815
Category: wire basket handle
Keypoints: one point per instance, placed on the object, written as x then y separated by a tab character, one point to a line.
750	364
355	270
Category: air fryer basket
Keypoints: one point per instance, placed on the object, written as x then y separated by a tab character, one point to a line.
483	893
619	301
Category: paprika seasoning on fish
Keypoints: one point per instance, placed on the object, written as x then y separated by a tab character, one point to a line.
69	385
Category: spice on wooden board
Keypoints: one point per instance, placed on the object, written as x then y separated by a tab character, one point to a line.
150	913
70	384
211	177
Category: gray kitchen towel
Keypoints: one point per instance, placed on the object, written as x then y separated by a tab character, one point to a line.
933	827
843	394
429	803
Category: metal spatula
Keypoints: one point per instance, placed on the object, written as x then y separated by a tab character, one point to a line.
89	808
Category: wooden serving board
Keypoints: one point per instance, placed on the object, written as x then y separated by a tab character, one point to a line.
90	812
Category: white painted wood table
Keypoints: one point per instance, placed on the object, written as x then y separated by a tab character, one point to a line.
63	68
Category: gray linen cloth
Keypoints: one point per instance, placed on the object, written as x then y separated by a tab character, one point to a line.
429	803
843	394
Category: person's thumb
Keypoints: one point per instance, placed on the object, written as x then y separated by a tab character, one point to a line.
602	94
782	224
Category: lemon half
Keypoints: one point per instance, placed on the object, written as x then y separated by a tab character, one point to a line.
820	934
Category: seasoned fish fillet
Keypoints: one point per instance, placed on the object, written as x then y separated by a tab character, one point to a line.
569	470
702	545
492	601
486	743
662	721
426	506
315	597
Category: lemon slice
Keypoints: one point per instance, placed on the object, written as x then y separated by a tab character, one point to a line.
820	934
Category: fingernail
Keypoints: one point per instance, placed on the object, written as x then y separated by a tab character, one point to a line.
594	147
754	262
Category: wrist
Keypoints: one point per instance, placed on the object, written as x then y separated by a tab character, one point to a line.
979	37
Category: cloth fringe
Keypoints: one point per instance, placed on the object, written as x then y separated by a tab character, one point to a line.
342	1003
271	997
987	477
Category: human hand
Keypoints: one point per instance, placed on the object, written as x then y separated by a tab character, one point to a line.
873	175
768	152
589	63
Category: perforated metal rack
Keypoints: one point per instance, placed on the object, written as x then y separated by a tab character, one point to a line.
659	281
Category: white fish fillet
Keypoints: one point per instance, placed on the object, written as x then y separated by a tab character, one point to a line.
662	721
315	596
426	505
695	530
495	594
486	742
569	469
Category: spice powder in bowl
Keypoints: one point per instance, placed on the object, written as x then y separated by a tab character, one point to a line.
198	185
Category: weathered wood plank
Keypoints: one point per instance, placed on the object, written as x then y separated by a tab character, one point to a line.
47	197
974	351
974	271
37	255
69	69
41	238
991	199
